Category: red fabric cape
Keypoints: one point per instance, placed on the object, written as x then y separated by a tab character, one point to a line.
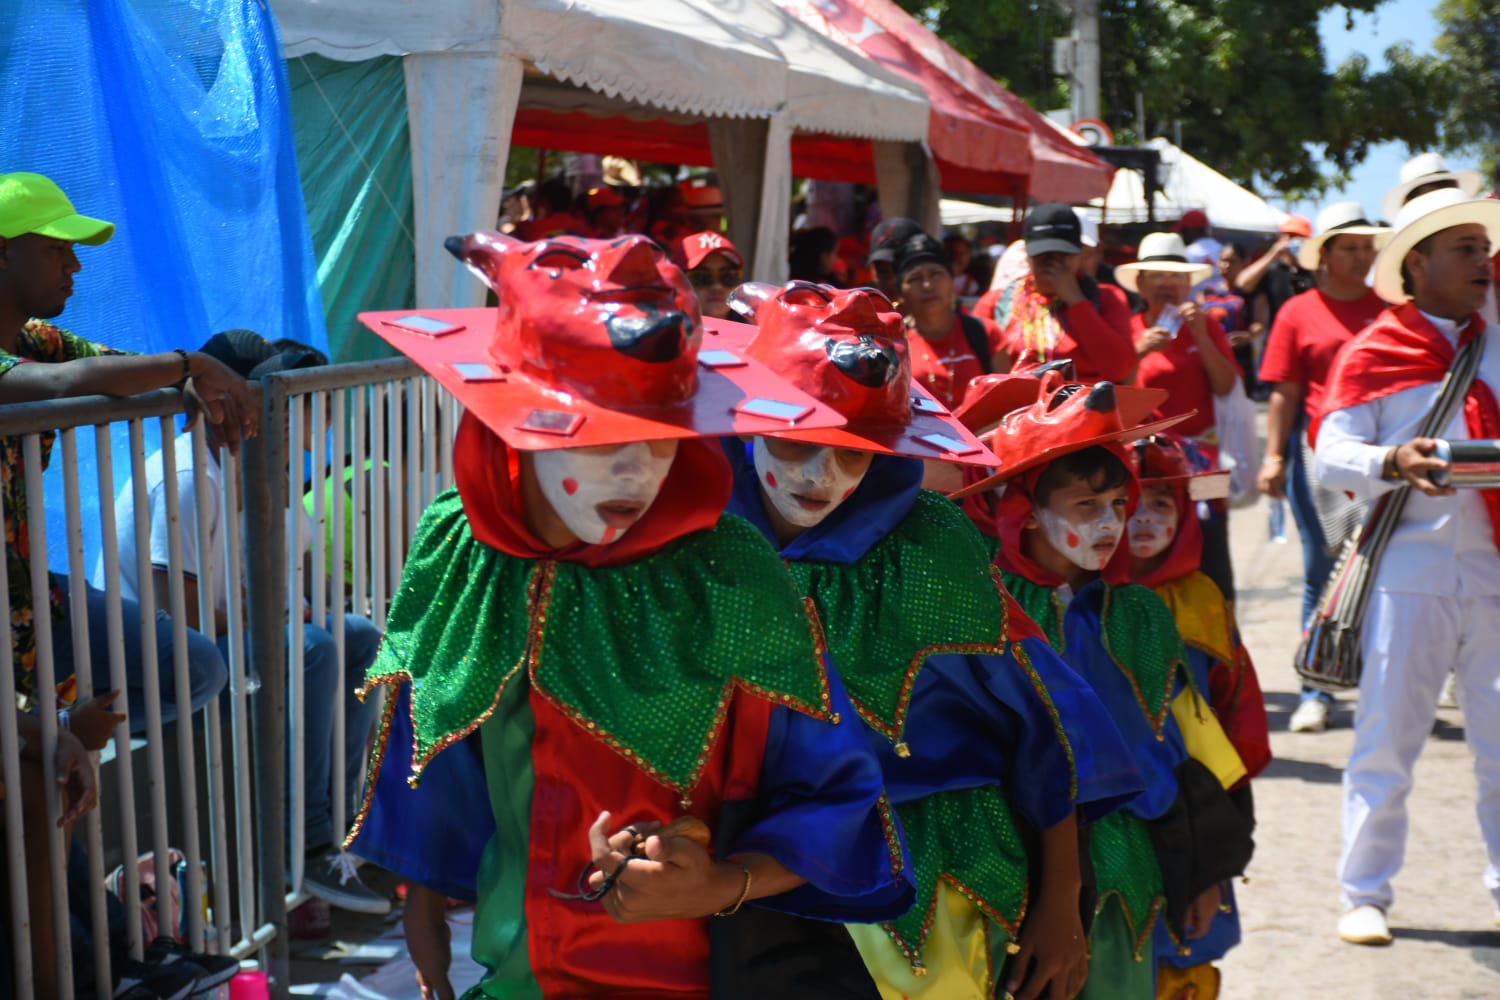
488	475
1401	350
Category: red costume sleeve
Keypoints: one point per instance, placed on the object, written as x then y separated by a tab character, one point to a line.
1104	350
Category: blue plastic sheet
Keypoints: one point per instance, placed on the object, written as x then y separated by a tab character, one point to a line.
170	118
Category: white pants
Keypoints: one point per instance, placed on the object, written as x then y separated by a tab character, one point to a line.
1411	641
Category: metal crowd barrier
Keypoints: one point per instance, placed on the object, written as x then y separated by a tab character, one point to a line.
393	427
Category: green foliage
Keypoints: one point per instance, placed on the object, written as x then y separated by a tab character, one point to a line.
1469	50
1246	79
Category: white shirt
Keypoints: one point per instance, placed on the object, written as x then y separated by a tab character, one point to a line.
187	505
1442	545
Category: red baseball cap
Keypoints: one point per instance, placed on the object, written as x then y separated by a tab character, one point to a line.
1297	225
1193	218
690	251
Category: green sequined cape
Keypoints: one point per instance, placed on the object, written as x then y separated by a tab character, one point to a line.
926	589
711	611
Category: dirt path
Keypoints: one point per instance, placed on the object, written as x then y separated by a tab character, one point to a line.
1446	943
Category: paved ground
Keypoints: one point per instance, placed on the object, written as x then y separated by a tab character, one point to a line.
1446	945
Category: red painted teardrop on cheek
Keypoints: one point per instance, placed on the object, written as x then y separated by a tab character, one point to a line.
771	480
1072	540
570	486
849	493
1171	531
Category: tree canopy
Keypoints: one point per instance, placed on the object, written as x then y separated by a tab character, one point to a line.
1469	50
1247	80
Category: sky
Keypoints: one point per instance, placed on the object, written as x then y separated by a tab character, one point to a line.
1372	34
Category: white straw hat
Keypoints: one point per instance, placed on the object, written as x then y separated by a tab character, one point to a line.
1342	218
1161	252
1420	218
1427	168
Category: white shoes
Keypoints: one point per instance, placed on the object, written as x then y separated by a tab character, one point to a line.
1365	925
1449	696
1311	716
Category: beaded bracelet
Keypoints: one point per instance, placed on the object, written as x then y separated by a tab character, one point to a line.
187	368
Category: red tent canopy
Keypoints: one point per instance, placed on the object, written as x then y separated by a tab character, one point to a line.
970	111
980	148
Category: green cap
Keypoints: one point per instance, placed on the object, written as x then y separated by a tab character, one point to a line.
31	203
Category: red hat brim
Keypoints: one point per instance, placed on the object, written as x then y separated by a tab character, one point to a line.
735	395
1212	484
991	397
933	433
1055	452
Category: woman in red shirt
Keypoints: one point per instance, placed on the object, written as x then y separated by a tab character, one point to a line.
948	349
1183	350
1308	332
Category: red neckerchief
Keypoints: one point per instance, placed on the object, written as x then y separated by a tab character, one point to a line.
1015	505
1185	554
488	474
1400	350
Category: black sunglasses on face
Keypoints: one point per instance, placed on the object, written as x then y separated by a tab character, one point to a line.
703	278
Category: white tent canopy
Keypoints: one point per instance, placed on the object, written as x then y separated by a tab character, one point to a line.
753	72
1186	184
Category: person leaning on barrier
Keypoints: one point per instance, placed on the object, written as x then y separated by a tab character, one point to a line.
38	360
331	874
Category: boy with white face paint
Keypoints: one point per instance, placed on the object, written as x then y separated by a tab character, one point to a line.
1061	521
989	744
1166	548
619	721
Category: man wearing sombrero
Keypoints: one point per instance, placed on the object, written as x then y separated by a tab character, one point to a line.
1435	605
1068	491
601	684
988	742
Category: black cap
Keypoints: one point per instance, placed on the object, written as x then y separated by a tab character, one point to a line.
921	249
1053	228
887	238
250	355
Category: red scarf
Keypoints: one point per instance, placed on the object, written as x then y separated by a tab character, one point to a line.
1401	350
1014	507
488	474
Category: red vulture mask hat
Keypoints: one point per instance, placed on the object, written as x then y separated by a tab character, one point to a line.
1049	417
1159	460
594	342
847	348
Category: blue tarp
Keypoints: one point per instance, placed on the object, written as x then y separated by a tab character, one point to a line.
170	118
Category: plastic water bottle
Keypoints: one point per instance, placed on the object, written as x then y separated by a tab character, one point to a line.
249	984
1278	521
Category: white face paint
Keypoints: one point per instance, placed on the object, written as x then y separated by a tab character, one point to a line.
807	490
598	493
1151	532
1087	541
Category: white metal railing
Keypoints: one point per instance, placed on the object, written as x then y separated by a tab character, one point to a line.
233	796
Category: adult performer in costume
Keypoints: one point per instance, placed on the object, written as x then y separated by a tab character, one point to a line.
1165	549
629	674
989	743
1061	518
1436	600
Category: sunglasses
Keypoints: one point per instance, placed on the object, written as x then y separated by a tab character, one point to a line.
705	278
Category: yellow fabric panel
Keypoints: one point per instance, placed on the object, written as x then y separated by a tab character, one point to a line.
1201	613
1197	982
1205	739
956	956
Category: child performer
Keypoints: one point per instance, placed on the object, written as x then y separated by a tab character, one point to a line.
1060	520
988	741
608	685
1165	547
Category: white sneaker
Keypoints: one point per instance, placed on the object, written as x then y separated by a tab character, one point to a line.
1311	716
1365	925
334	878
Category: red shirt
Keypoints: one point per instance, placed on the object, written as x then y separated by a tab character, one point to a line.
1308	332
1098	340
946	367
1178	369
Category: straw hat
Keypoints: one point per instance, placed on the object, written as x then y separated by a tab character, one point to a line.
1342	218
1420	218
1161	252
1427	168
